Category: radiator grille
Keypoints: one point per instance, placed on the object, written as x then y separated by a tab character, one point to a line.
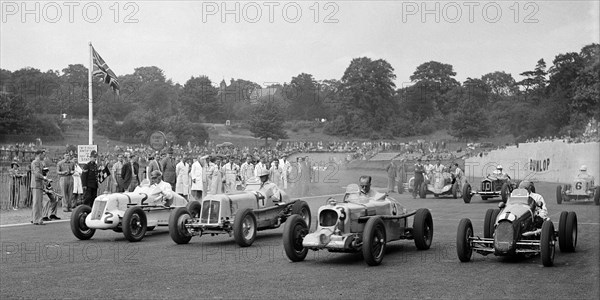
98	209
504	237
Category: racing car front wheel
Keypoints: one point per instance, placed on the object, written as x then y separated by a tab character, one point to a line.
244	227
302	209
567	231
559	194
547	243
464	250
294	231
134	224
78	226
423	229
194	208
179	234
373	247
466	195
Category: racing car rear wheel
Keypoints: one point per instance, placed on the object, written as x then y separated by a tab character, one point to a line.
244	227
466	195
559	194
78	226
504	192
567	231
423	190
374	240
294	231
179	234
547	243
134	224
464	250
597	196
423	229
455	190
487	223
194	208
302	209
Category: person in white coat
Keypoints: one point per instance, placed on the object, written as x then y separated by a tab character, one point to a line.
182	170
77	187
196	176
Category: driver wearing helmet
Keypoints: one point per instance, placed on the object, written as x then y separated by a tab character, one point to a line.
583	174
268	189
541	210
499	174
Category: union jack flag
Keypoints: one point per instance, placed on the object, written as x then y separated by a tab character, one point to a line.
102	70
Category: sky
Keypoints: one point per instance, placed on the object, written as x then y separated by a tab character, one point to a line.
273	41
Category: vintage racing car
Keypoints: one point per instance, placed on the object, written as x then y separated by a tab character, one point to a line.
491	187
131	213
358	223
440	184
580	190
240	214
513	230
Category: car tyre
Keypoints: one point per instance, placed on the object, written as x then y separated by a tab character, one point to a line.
547	243
294	231
302	209
455	190
567	239
78	225
423	190
374	241
179	234
464	249
134	224
559	194
466	195
194	208
597	196
487	233
423	229
244	227
504	192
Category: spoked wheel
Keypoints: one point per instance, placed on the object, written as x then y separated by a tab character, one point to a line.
78	226
244	227
294	231
374	241
134	224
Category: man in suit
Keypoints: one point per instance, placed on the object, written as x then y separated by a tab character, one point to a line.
116	174
129	174
391	174
89	180
37	184
167	166
135	169
65	172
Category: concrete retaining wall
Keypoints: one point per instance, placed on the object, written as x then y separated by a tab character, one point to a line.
550	161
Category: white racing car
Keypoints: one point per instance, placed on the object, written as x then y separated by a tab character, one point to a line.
131	213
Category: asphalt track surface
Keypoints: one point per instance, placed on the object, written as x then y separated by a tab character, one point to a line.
49	262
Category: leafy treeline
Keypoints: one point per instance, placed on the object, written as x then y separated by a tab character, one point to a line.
551	100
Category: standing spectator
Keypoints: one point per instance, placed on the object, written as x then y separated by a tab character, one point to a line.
391	174
286	168
259	166
116	174
231	170
182	169
401	175
50	206
77	187
419	177
135	172
167	165
153	164
196	175
37	183
275	173
304	176
89	180
212	176
15	184
247	170
65	173
459	176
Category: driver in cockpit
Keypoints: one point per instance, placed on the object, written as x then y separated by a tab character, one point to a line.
541	210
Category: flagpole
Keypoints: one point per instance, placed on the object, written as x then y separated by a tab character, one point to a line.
90	106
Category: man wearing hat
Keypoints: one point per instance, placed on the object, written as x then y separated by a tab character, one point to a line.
167	165
165	187
419	177
89	179
267	188
153	164
541	210
65	170
50	207
15	185
37	183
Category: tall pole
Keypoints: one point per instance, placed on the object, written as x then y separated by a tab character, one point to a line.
90	98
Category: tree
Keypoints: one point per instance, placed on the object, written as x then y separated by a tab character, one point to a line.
469	123
267	121
367	88
535	82
199	98
500	83
304	97
434	80
586	87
